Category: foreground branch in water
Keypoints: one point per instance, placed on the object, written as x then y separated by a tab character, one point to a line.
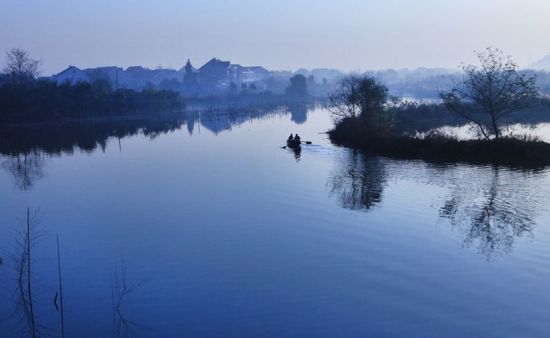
23	267
29	291
60	290
121	290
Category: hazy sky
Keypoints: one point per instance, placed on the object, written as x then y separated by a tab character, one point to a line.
278	34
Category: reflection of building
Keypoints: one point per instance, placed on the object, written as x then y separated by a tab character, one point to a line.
217	123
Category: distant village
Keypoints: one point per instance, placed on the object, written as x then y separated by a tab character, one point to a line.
216	77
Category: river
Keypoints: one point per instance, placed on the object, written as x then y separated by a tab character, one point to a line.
206	227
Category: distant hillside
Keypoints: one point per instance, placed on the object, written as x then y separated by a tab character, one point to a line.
543	64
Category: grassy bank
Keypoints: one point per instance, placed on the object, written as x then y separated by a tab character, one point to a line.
515	152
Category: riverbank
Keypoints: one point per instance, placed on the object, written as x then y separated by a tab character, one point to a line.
509	151
44	103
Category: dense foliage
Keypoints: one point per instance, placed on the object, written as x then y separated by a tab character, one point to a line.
298	87
360	99
46	100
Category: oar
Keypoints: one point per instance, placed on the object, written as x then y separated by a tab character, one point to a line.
303	142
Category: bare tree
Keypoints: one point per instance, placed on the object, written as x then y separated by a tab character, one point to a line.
20	66
489	92
345	102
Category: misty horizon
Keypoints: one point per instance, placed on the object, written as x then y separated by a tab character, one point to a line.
277	35
544	61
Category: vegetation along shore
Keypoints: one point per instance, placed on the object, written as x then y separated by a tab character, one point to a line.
486	98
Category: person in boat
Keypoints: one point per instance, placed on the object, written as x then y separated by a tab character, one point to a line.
297	138
290	138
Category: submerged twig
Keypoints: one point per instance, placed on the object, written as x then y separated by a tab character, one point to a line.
60	290
29	291
120	291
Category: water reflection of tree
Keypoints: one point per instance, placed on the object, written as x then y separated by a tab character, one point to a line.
492	212
358	182
492	207
25	168
298	112
24	312
121	289
26	148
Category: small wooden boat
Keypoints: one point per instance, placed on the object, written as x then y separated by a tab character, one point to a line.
293	144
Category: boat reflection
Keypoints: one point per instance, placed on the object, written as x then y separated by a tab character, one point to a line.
296	151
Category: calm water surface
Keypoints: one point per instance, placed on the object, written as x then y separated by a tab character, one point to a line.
217	231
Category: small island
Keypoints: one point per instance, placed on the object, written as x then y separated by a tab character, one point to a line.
487	96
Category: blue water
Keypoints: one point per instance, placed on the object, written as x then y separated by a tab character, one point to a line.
218	231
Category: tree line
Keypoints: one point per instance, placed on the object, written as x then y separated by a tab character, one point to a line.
24	98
